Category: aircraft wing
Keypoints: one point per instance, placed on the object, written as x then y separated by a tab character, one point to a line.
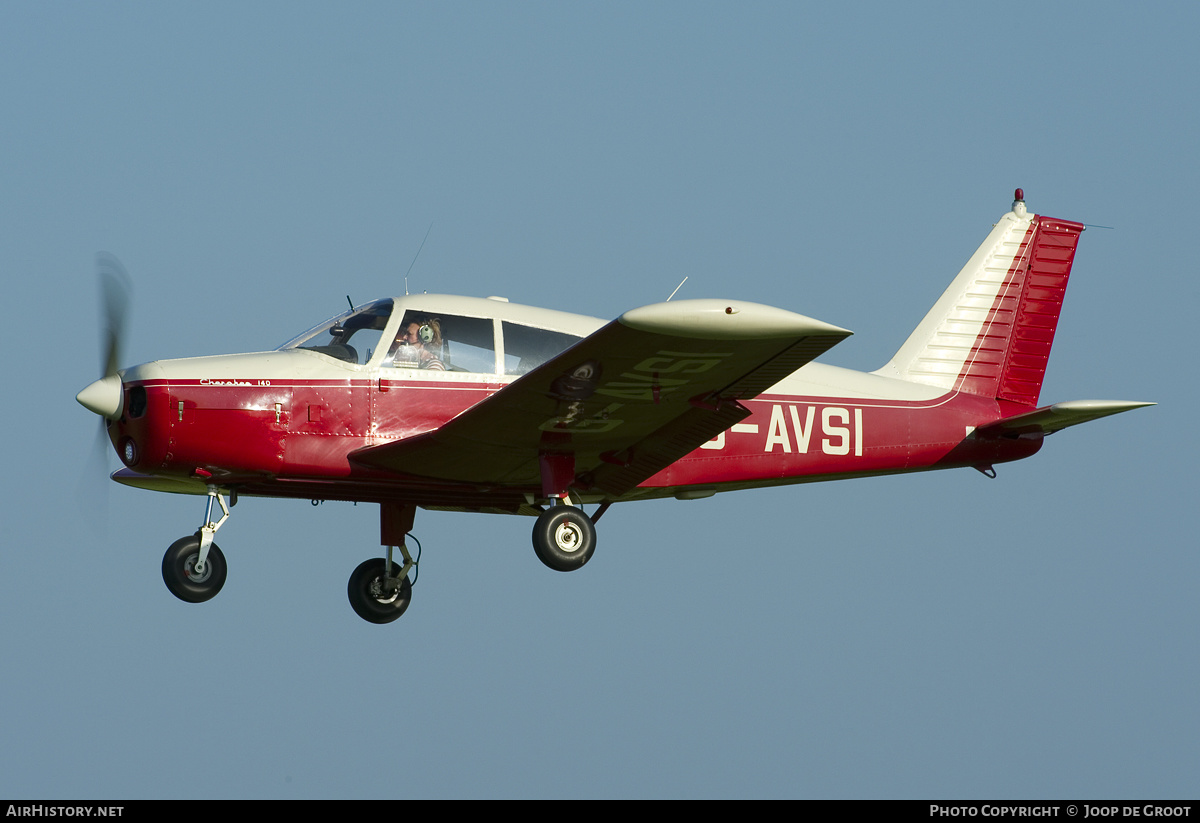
1056	417
620	405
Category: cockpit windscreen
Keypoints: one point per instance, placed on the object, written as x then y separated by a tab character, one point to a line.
352	336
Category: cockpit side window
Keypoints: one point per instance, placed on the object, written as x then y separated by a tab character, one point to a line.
526	347
352	336
443	342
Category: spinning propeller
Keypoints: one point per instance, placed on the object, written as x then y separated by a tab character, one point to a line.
106	396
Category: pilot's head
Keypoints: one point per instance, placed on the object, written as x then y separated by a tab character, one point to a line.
422	332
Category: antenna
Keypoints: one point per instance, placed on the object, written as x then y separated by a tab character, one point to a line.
415	256
677	288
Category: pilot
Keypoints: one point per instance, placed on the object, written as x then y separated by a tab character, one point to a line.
418	345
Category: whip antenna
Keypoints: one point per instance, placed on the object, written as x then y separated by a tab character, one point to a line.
415	256
677	288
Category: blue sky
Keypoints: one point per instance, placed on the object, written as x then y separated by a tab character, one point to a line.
940	635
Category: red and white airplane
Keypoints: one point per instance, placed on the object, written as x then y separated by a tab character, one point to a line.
482	405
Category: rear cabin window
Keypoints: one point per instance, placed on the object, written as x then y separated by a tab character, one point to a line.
526	347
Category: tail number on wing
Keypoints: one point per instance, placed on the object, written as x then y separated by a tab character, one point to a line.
647	380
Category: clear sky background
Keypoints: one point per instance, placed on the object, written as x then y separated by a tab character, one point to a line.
938	635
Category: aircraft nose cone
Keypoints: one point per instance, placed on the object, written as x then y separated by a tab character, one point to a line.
105	397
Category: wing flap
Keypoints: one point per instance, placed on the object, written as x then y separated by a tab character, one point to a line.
623	403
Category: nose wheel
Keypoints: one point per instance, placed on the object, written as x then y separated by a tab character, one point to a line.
194	568
187	577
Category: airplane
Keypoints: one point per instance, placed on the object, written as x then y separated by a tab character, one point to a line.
471	404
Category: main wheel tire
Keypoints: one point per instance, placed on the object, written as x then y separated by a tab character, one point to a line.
564	538
368	597
179	570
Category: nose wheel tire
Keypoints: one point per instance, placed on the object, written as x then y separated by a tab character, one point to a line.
373	597
564	538
180	575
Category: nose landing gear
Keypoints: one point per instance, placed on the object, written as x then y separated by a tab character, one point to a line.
194	568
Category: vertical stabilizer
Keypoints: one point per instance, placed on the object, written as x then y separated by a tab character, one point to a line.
990	332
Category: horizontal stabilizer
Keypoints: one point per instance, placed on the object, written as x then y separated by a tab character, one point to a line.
1050	419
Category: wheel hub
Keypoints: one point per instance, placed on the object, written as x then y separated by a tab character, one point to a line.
379	590
194	574
568	537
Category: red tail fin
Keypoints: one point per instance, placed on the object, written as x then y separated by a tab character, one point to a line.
990	333
1014	348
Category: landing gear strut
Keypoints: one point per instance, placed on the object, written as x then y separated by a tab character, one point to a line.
563	536
194	568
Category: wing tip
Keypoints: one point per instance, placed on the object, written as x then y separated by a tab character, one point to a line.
725	320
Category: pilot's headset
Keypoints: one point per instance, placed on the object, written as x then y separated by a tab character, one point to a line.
430	333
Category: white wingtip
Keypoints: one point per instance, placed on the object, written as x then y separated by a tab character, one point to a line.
709	319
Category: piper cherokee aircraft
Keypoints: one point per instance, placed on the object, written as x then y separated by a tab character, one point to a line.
481	405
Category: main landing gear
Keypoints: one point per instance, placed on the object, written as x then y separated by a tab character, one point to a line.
564	538
379	590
